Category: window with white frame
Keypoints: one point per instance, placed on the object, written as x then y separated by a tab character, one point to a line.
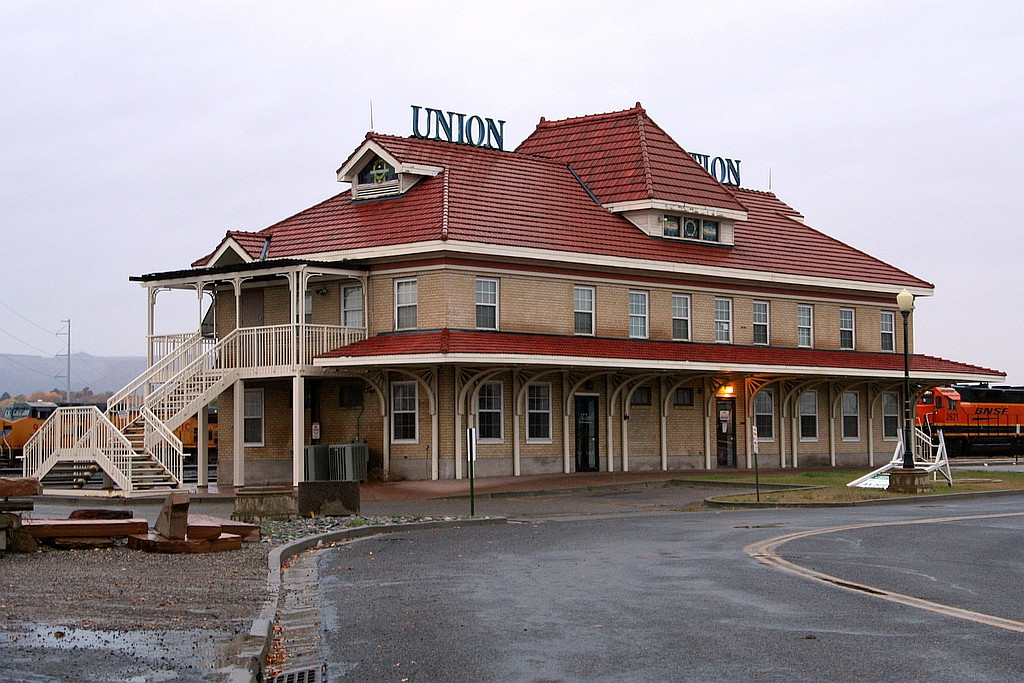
405	304
851	416
307	307
681	317
489	412
638	315
252	417
760	322
846	324
890	416
538	412
352	306
583	310
888	331
723	320
808	410
486	304
805	326
404	412
764	415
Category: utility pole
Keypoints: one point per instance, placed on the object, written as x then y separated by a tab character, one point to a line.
67	375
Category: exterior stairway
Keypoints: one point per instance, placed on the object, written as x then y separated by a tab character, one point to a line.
133	443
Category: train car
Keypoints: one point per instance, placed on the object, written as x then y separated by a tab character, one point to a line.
975	419
19	421
188	432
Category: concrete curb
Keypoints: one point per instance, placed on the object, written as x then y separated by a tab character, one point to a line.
248	666
906	500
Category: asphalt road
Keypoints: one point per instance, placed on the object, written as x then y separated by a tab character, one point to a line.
622	586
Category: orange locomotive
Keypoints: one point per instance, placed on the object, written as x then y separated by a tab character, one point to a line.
20	421
976	419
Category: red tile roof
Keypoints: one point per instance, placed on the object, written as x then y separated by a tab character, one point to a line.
521	200
625	156
504	344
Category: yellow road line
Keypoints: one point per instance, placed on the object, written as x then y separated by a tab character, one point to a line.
765	552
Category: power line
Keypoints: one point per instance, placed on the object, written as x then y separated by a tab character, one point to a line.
36	348
7	356
31	322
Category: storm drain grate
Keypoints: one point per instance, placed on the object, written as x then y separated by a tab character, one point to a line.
297	676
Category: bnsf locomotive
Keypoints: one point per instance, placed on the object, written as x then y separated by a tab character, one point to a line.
975	419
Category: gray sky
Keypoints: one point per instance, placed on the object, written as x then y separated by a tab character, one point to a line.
134	134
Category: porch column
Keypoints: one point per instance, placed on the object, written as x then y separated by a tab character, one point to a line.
150	305
831	429
664	425
298	428
566	459
515	426
782	427
203	447
624	422
796	436
435	427
609	430
457	413
707	424
238	433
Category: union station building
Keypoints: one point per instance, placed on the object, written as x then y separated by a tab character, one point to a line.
594	300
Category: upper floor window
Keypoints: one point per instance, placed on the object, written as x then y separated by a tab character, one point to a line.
405	304
760	322
487	304
404	412
583	309
851	416
808	410
723	320
681	317
489	412
352	306
764	415
846	324
638	315
888	331
805	326
307	307
538	412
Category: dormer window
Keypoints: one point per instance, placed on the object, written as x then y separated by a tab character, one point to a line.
377	172
376	179
691	228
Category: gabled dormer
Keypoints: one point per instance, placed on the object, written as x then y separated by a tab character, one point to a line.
374	172
636	170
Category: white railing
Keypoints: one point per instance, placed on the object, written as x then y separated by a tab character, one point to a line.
163	445
323	338
83	434
132	396
163	345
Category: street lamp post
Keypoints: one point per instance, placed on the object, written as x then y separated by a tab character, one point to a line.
905	300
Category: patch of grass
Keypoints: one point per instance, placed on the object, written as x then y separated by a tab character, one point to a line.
831	485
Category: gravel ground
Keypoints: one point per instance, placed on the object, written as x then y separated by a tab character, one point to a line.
186	611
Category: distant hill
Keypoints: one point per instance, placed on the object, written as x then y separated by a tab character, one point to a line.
28	374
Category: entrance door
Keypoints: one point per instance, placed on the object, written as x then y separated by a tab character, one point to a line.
252	308
725	411
586	434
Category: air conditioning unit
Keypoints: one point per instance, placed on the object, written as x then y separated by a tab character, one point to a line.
317	466
348	461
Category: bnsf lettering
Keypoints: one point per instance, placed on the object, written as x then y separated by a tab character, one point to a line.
991	411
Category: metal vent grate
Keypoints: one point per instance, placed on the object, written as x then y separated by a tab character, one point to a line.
297	676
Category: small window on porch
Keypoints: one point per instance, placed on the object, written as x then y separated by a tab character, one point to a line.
809	416
764	415
404	410
684	396
641	397
252	418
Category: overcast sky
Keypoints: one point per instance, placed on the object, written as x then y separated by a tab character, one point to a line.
134	134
